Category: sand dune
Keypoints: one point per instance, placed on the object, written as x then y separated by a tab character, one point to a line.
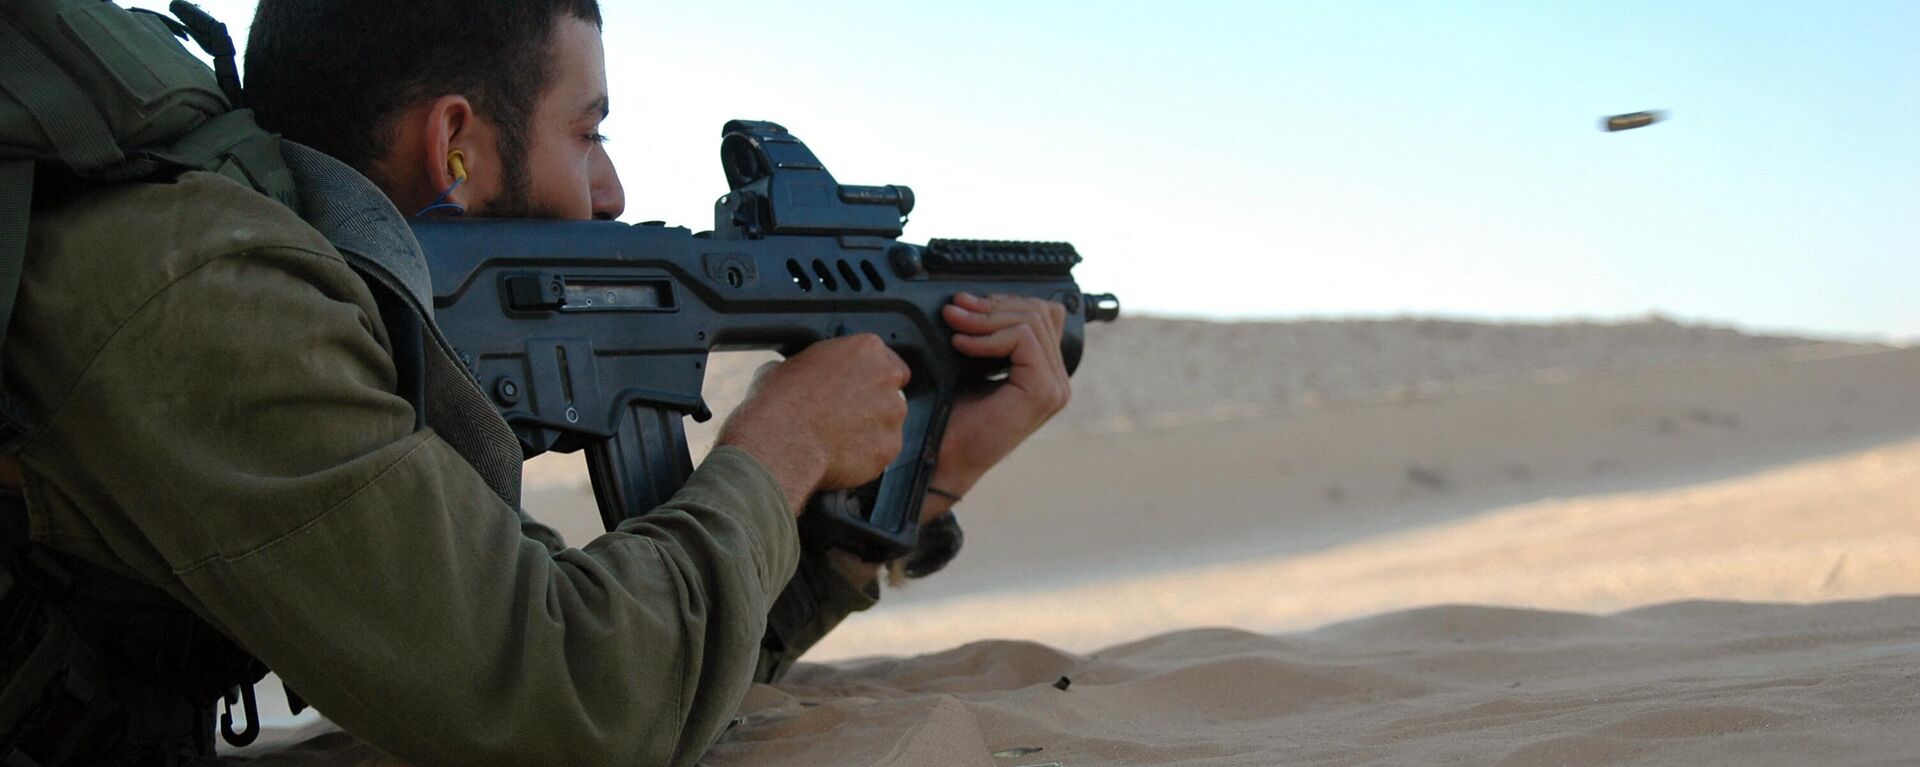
1789	473
1687	683
1075	508
1837	528
1145	371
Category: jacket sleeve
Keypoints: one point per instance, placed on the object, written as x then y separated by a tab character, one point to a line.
814	602
242	425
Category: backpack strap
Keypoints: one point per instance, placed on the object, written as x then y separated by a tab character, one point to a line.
71	122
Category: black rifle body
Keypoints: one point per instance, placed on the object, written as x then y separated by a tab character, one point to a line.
595	336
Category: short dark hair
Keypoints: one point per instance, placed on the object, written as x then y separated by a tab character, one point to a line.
333	74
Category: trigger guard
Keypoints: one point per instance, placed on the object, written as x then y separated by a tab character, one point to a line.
837	519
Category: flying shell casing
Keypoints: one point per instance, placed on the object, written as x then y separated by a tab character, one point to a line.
1631	120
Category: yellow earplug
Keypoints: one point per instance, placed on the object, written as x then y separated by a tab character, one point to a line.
456	162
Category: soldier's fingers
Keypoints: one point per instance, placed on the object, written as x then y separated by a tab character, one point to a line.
1046	319
1013	342
1033	368
869	352
1049	321
899	372
1002	314
981	323
1054	315
1041	382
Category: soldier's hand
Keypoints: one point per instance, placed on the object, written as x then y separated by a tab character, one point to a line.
827	418
984	429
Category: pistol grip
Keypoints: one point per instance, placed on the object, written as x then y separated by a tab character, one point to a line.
880	520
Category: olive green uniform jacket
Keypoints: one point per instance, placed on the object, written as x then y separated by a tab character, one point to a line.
218	417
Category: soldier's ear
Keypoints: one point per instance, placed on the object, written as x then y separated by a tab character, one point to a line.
415	170
450	128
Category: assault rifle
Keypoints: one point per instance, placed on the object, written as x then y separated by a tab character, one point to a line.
595	335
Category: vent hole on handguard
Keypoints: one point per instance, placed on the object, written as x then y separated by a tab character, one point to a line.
873	276
826	275
846	273
800	277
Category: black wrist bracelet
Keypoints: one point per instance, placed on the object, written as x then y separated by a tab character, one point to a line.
931	490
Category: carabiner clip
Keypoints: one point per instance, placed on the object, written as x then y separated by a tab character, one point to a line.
252	707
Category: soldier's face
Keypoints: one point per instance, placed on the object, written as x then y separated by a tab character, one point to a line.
569	175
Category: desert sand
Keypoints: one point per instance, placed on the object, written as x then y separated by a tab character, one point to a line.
1787	476
1683	683
1642	554
1399	541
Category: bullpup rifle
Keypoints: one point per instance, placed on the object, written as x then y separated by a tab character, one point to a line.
595	335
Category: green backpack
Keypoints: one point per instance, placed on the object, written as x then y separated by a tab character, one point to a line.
92	93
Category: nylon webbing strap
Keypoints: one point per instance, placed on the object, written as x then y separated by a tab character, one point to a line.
16	200
58	103
203	147
233	145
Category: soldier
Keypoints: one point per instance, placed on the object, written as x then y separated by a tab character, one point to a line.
229	463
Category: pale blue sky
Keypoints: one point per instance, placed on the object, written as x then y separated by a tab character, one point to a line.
1286	159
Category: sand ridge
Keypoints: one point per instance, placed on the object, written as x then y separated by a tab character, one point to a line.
1147	371
1695	682
1845	527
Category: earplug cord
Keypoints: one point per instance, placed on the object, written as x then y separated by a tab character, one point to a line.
456	163
440	203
